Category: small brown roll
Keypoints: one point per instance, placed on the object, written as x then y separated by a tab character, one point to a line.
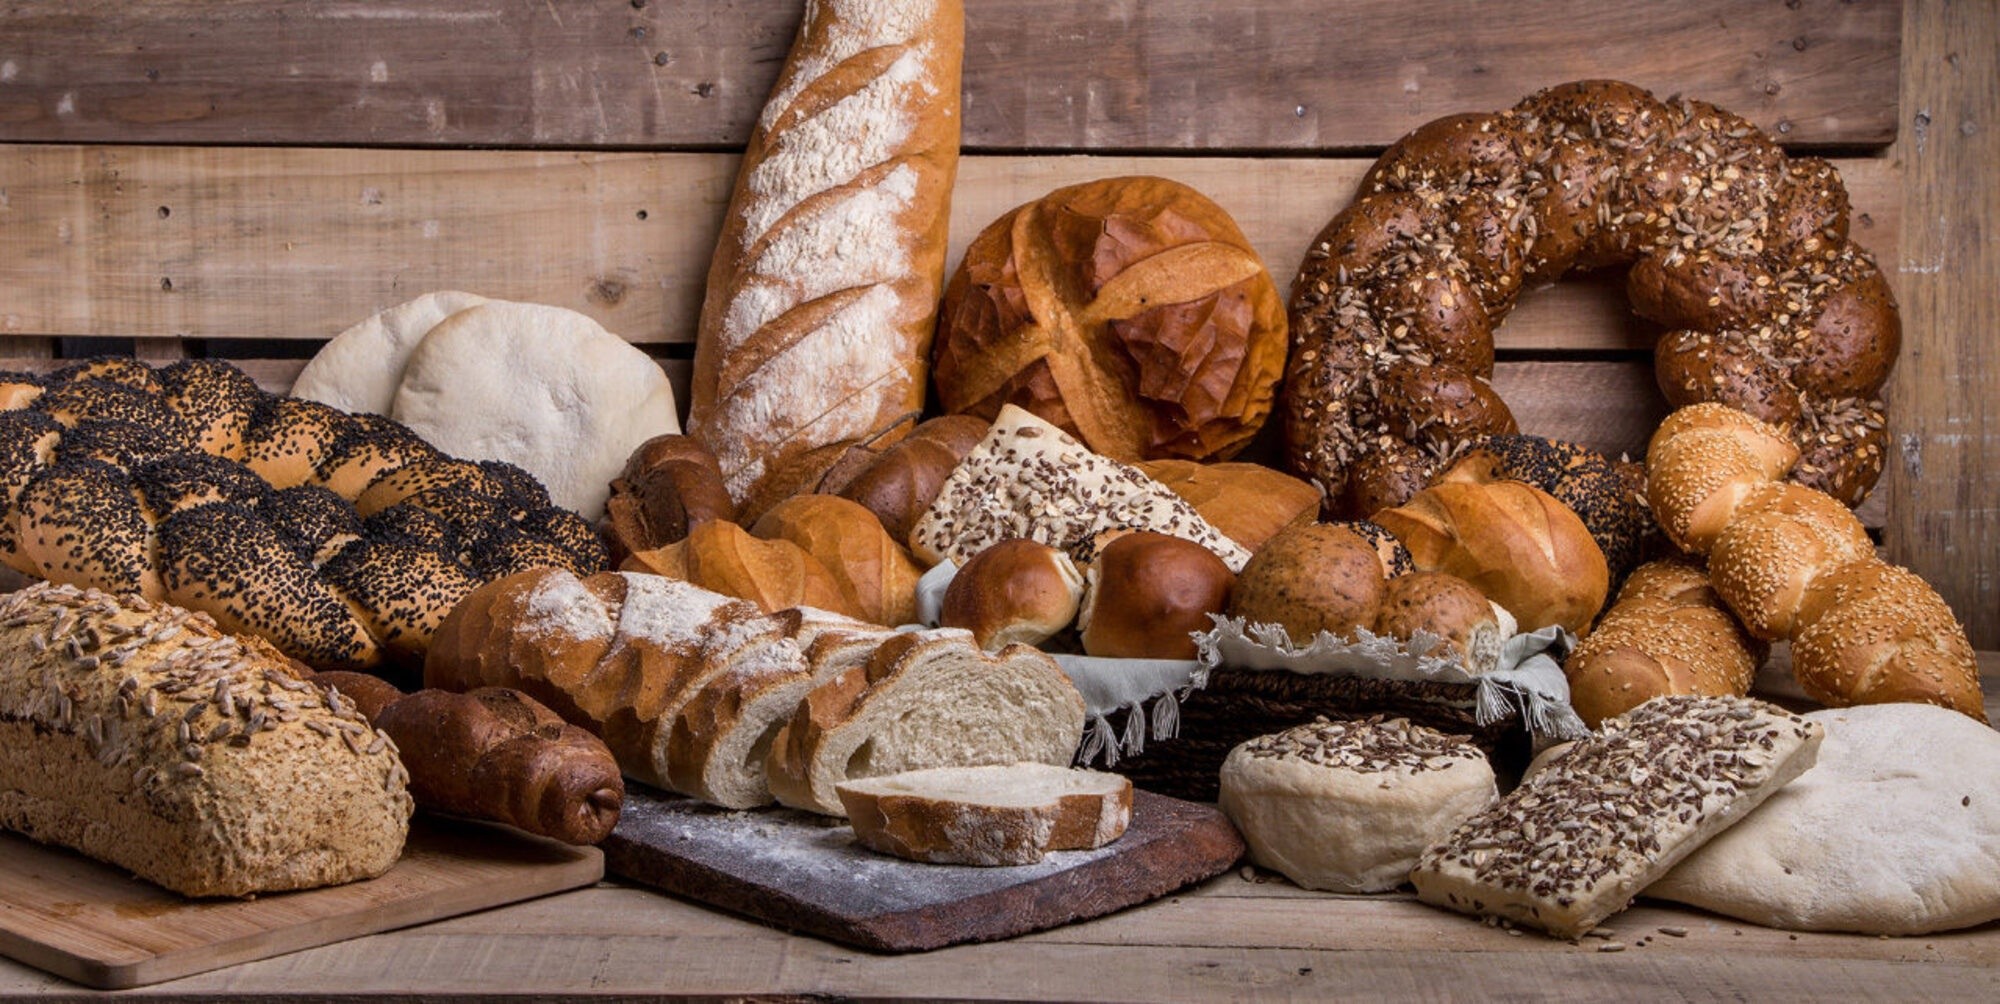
671	484
1015	591
900	485
1450	608
1147	594
1312	578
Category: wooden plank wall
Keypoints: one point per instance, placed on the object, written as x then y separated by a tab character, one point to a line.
193	174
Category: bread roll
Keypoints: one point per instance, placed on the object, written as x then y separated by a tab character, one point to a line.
1129	311
141	735
1310	578
824	286
1348	806
1148	594
671	484
1448	607
1515	543
999	814
1015	592
902	481
723	557
876	577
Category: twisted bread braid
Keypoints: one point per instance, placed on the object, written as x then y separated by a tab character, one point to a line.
1794	563
1667	633
343	539
1739	250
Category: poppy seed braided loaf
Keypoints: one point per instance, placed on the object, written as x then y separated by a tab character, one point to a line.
343	539
1740	251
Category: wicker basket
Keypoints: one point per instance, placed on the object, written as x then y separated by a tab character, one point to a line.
1238	705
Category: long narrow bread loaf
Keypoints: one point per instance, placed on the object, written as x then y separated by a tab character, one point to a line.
925	699
1668	633
824	286
1599	822
999	814
140	734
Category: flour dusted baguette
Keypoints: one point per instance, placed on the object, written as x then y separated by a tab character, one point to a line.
140	734
1600	821
924	699
824	286
999	814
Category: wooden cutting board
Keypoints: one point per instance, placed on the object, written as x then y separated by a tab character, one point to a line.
802	872
95	924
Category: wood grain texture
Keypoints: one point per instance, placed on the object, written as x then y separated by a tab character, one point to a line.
95	924
1039	74
164	242
1943	478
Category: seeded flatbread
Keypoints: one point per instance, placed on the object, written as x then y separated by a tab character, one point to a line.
1601	821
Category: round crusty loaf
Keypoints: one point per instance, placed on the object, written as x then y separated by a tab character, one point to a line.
1015	591
1310	578
1448	607
1895	830
1131	312
189	483
1741	252
141	735
1609	496
1514	542
996	815
1348	806
1147	594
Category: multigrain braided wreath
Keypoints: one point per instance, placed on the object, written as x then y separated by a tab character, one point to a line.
1741	251
343	539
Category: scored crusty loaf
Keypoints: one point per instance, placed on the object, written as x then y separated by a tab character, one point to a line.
1030	479
823	289
1667	633
1597	823
720	738
140	734
924	699
1794	563
994	815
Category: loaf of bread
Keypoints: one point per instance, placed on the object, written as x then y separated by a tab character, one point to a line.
875	576
1347	806
1514	542
141	735
494	753
1794	563
1247	502
1599	822
1029	479
1609	496
995	815
670	485
823	289
1667	633
1311	578
722	557
925	699
343	539
1132	312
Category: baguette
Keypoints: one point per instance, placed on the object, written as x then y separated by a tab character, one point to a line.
141	735
823	291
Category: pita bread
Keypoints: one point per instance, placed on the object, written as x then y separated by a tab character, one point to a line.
545	388
1896	830
359	370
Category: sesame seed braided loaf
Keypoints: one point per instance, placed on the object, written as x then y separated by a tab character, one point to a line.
343	539
1740	251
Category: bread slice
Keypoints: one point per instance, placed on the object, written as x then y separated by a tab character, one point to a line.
721	737
925	699
1598	823
1001	814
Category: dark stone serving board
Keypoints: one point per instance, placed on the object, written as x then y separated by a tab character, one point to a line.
802	872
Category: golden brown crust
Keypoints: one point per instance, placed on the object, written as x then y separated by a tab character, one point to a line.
876	576
1741	252
1515	543
1667	633
1131	312
1147	594
1015	591
1310	578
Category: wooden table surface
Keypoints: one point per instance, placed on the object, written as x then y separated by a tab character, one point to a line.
1231	938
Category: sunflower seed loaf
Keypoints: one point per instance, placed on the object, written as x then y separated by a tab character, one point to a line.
140	734
1598	823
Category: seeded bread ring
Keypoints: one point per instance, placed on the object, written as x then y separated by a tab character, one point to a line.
188	483
1739	251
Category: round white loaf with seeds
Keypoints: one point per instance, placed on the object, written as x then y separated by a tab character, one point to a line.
1349	806
141	735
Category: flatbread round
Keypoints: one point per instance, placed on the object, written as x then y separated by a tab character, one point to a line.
358	370
1895	830
542	387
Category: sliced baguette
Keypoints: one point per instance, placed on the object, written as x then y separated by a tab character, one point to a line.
925	699
1001	814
